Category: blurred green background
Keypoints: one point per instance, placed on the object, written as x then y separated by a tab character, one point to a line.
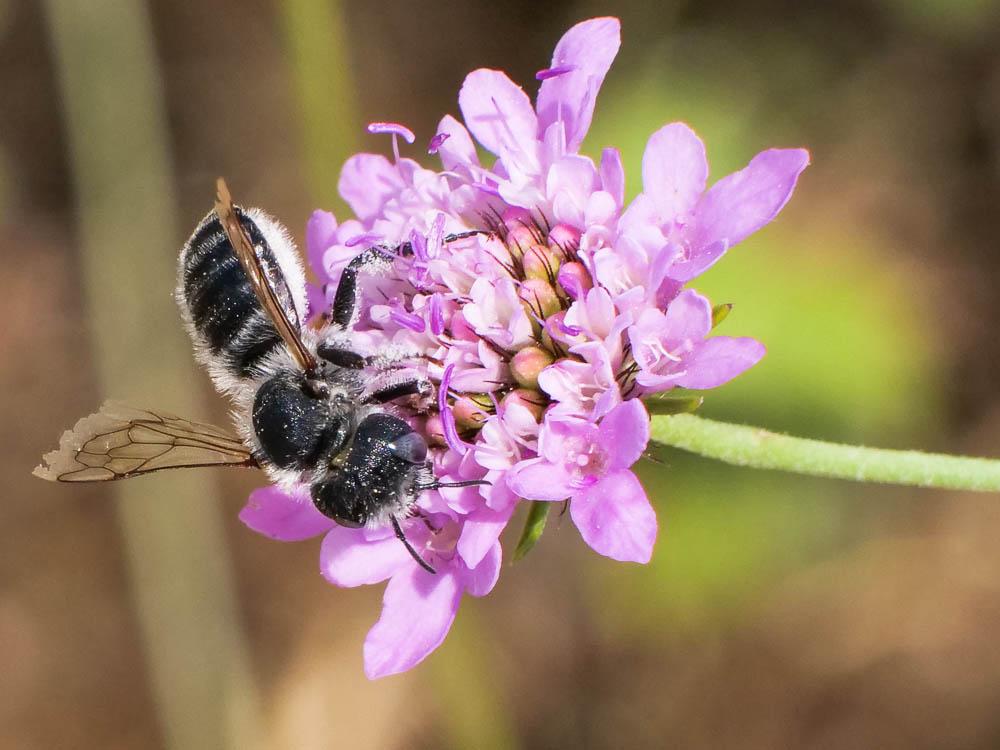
778	611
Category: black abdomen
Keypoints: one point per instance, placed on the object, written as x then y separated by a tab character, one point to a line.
220	301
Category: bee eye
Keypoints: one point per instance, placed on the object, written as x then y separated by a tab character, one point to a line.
410	448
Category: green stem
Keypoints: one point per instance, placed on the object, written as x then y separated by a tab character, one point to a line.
760	449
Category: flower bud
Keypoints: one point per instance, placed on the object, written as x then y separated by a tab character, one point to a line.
528	363
460	328
519	239
470	413
541	262
575	280
540	297
434	431
565	236
515	216
533	401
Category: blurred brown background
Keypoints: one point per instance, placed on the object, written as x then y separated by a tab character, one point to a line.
778	611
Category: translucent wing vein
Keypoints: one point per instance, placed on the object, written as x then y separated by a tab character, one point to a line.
120	441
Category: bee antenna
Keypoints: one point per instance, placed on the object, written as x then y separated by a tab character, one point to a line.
409	547
465	483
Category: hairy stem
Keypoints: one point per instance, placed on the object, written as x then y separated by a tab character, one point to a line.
760	449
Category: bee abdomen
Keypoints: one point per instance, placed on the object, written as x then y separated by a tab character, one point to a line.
228	324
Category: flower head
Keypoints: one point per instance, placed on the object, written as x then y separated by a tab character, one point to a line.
544	308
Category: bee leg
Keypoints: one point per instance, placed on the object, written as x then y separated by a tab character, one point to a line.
391	390
337	351
376	261
341	356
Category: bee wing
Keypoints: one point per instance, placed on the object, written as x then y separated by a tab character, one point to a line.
120	441
257	274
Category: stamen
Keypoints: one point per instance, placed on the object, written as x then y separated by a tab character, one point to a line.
419	244
436	142
407	319
554	72
568	329
447	416
394	128
436	315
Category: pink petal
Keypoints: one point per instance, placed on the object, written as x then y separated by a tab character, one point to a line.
557	437
499	114
624	432
481	531
701	258
674	170
367	181
458	149
347	558
316	301
417	611
537	479
479	581
718	360
288	517
569	184
562	380
585	54
613	174
740	204
321	233
689	317
615	518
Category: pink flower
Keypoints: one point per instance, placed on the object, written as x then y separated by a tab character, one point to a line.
589	465
674	210
671	348
538	167
418	608
543	308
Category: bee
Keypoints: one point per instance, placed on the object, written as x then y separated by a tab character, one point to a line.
307	407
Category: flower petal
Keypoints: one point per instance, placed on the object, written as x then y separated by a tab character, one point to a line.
288	517
347	558
613	175
499	114
321	233
479	581
624	432
584	55
615	518
367	181
674	170
699	260
537	479
417	611
718	360
458	149
740	204
481	531
688	318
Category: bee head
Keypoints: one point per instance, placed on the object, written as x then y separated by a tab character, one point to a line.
379	477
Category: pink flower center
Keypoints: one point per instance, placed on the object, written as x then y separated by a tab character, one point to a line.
443	542
585	462
656	353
